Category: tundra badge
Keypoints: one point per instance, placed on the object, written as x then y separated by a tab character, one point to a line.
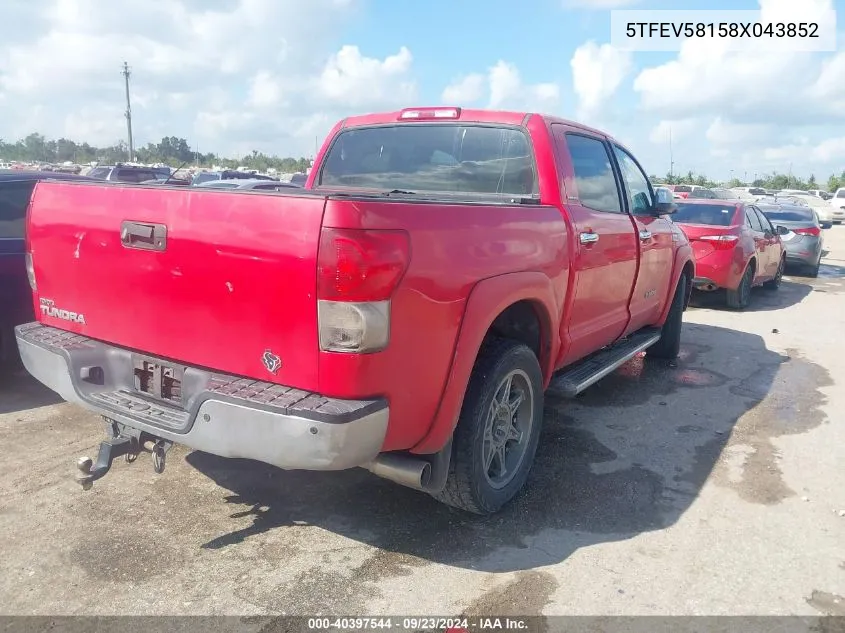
271	361
48	308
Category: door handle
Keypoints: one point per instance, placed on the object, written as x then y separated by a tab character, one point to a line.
149	237
589	238
645	235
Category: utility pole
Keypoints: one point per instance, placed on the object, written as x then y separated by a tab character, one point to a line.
126	74
671	158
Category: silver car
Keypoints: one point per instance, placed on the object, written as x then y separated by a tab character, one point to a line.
800	232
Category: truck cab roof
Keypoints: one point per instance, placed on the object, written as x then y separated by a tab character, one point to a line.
464	115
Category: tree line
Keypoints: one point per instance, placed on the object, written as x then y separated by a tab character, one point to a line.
766	181
171	150
175	151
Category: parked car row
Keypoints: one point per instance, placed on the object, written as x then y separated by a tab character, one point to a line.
738	246
146	175
830	208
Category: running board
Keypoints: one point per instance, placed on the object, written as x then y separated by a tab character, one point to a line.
573	380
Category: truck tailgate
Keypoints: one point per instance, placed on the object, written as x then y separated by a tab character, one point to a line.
234	278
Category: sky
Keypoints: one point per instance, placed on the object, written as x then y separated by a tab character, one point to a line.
233	76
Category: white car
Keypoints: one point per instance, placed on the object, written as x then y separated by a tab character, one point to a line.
837	205
822	208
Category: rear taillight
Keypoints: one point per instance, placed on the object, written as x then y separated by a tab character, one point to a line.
720	242
812	230
30	271
357	274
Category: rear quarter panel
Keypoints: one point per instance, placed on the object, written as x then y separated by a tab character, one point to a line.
453	248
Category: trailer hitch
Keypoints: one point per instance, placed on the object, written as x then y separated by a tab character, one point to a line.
116	444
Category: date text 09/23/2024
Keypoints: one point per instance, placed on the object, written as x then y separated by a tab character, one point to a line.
451	624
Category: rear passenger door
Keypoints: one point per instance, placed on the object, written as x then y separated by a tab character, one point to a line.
759	230
772	244
657	247
606	245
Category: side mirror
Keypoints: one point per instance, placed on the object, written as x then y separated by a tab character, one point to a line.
782	230
665	202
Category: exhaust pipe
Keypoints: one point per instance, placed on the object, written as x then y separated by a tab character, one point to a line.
401	469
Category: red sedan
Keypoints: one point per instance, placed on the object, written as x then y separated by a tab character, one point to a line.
735	247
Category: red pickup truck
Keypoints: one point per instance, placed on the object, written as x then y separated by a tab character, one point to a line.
404	312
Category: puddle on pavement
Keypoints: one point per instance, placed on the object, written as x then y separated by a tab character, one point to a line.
784	399
526	594
827	603
128	556
831	271
641	379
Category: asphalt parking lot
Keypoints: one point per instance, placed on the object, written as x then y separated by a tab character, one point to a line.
714	485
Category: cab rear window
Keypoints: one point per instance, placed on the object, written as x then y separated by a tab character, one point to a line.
441	157
712	214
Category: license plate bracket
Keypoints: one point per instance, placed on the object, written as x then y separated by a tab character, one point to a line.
159	380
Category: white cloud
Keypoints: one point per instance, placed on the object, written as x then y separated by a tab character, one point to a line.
467	89
723	133
505	89
265	90
747	87
831	150
678	130
358	81
597	72
223	73
752	111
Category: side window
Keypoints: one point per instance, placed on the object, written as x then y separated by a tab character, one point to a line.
755	219
640	198
764	221
14	198
747	213
594	177
133	175
99	172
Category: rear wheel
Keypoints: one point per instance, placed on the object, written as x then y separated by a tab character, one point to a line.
669	344
774	284
739	298
813	271
498	430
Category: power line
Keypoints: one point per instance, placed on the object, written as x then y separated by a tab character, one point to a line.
126	74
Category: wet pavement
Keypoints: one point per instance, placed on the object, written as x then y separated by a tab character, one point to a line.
710	485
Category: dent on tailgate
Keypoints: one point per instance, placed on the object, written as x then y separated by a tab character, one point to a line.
236	280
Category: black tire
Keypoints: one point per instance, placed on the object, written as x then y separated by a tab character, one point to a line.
774	284
668	346
813	271
739	298
469	486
